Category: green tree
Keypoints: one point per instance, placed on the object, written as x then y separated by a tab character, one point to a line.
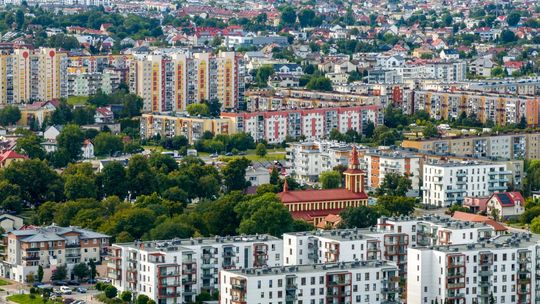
92	269
81	271
396	205
140	177
260	150
105	144
112	180
330	179
126	296
30	144
9	115
369	129
264	214
162	163
169	229
37	182
513	18
507	36
40	273
320	83
430	131
60	273
394	184
110	291
80	186
263	74
133	222
70	140
142	299
234	174
288	16
196	109
306	17
359	217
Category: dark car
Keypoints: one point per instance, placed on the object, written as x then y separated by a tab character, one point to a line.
59	283
81	289
229	154
68	300
91	281
73	283
37	284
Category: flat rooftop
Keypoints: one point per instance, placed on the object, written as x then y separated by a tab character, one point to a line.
313	268
183	244
502	242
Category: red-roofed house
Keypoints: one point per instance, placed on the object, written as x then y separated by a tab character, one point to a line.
331	221
505	205
512	66
10	156
314	205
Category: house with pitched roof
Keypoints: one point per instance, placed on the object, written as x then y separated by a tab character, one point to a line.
314	206
505	205
10	156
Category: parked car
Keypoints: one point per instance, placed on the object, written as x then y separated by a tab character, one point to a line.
59	283
68	301
215	155
81	289
242	153
91	281
38	284
73	283
65	290
104	280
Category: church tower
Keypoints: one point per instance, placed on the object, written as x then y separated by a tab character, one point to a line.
354	177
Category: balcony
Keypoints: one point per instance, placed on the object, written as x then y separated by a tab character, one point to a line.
30	258
73	245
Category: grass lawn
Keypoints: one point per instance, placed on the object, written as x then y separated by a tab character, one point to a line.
25	299
278	154
4	282
77	100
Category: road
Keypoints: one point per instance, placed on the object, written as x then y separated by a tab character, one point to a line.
18	288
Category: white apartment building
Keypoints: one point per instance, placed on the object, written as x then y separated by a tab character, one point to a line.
504	270
380	163
49	247
351	282
175	271
307	160
445	184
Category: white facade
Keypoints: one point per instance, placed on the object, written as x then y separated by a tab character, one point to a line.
448	183
176	270
353	282
307	160
505	268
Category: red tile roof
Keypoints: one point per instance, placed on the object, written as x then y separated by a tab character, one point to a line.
319	195
469	217
310	215
11	155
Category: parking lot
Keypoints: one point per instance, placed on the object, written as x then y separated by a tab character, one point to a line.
83	298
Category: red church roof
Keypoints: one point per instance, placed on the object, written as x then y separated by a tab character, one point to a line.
320	195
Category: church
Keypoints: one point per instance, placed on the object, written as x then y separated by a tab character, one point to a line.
314	205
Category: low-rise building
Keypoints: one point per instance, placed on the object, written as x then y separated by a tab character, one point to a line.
505	205
347	282
50	247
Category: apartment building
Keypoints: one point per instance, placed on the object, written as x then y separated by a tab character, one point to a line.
171	82
32	75
175	125
445	184
175	271
501	109
345	245
501	270
87	84
287	98
346	282
308	159
50	247
379	163
505	146
311	123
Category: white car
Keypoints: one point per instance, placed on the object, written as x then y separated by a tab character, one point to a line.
103	280
65	290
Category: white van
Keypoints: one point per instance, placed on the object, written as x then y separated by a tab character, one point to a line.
65	290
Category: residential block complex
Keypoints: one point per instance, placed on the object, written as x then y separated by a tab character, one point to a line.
50	247
175	271
347	282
